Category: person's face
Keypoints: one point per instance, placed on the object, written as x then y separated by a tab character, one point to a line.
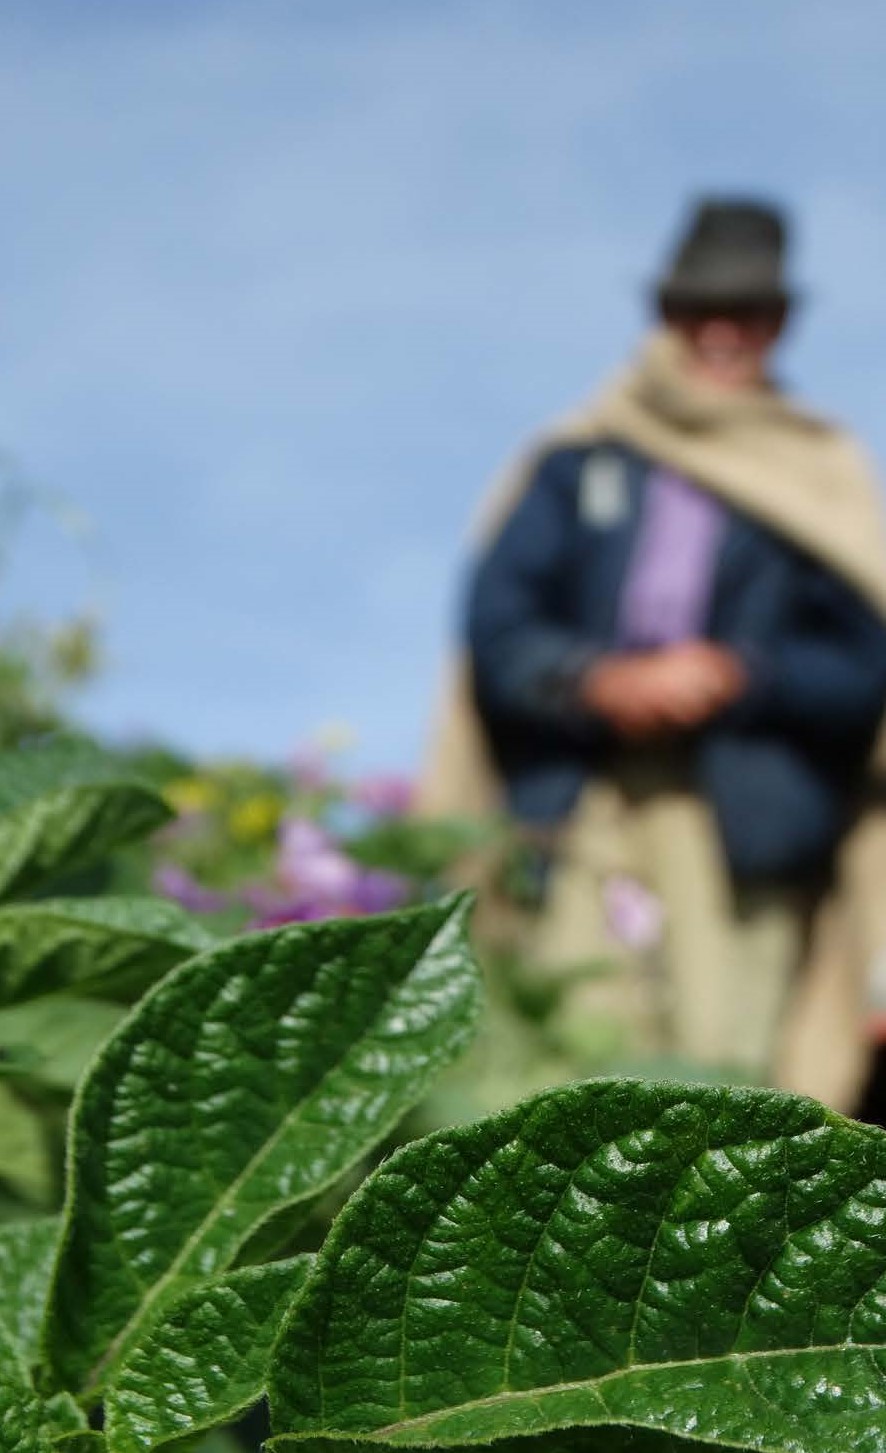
729	347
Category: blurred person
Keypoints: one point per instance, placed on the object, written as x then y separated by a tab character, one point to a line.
676	670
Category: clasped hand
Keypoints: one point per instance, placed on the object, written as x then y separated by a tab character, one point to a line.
674	689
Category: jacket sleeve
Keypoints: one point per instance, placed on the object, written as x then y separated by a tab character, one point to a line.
826	680
527	658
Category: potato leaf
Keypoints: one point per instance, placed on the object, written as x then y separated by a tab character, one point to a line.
114	948
205	1360
27	1249
64	1417
705	1264
61	1032
249	1079
25	1161
24	1427
65	805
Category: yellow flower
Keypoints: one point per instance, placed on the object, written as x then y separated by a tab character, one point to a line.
192	794
255	817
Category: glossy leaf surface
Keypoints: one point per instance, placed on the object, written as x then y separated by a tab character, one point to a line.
249	1079
111	947
205	1361
701	1262
65	805
27	1249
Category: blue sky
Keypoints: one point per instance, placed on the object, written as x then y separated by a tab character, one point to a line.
281	283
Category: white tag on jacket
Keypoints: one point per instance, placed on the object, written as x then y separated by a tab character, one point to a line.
603	491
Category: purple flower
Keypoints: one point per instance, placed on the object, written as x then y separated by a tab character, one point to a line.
310	864
290	913
178	884
377	891
634	915
300	837
260	897
383	795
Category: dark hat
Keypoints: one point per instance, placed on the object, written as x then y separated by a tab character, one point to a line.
732	252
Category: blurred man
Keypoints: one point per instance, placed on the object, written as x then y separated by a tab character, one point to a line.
678	667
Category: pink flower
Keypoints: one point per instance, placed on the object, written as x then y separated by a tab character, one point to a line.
301	837
310	768
311	865
634	915
377	891
383	795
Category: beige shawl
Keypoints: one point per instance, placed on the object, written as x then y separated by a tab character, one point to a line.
806	479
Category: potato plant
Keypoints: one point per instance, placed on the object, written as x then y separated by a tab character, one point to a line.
617	1266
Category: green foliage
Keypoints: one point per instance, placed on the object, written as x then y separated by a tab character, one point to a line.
702	1262
61	1033
65	804
220	1101
39	665
112	948
25	1161
23	1424
206	1359
66	965
420	849
28	1424
27	1251
611	1267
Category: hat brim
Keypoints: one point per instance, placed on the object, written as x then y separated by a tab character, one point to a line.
680	297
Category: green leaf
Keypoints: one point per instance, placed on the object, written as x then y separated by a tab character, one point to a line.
111	947
27	1249
23	1426
205	1361
65	1031
78	1440
249	1079
64	805
18	1060
708	1263
24	1153
64	1416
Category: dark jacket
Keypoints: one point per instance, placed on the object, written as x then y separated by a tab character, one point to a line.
780	768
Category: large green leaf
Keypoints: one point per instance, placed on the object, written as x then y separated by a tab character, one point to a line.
709	1263
63	1033
205	1361
112	947
27	1249
250	1078
64	805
